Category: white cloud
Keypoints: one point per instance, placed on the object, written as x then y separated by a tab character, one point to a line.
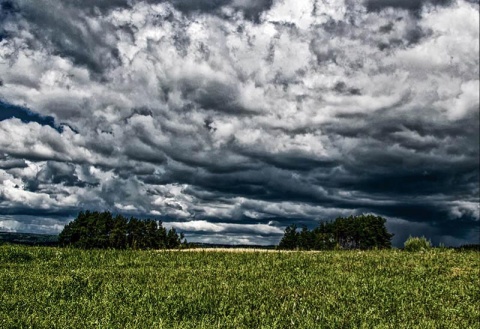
200	225
25	224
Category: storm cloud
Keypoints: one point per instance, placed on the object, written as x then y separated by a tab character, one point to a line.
231	119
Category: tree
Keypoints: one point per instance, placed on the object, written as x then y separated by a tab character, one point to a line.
151	237
306	239
290	238
324	239
173	239
118	235
161	236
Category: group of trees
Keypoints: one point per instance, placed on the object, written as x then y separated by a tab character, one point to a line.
353	232
103	230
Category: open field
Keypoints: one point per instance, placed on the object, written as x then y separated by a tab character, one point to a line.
45	287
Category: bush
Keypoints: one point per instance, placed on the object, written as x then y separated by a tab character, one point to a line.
417	244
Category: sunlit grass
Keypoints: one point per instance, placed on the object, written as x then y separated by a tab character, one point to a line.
68	288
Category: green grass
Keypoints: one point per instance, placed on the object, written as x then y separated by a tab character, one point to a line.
43	287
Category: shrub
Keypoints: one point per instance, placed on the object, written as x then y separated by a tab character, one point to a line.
417	244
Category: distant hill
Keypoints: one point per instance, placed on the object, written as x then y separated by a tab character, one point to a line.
30	239
232	246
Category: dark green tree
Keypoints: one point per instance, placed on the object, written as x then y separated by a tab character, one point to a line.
173	239
118	235
306	239
362	232
324	238
161	235
136	233
290	238
151	238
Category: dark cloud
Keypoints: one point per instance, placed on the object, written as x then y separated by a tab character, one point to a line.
65	26
56	173
438	234
204	6
62	214
412	5
213	95
341	87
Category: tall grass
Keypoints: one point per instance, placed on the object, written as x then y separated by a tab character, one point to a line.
66	288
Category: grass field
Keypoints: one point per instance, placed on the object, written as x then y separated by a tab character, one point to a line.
45	287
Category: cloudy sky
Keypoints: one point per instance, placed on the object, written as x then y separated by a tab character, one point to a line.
230	119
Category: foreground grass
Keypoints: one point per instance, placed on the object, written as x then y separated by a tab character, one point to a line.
64	288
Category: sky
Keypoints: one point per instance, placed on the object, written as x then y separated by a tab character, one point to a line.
231	119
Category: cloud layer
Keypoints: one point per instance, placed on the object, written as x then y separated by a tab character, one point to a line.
231	119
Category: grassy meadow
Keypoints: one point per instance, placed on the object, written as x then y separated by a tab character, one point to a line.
47	287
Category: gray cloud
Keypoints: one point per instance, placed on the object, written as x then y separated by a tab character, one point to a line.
242	116
413	5
7	162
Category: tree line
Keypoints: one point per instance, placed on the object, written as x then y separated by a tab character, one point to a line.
103	230
353	232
